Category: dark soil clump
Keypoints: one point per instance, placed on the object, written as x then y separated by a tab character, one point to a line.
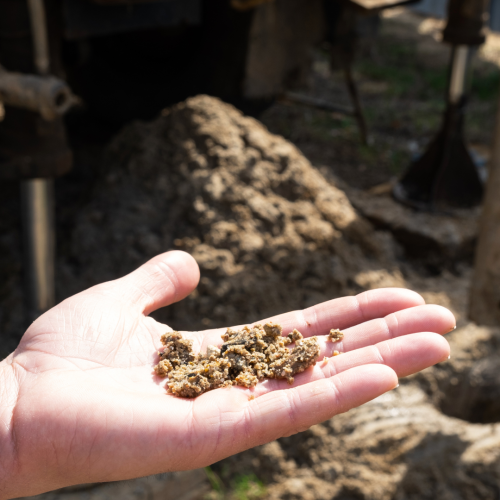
246	357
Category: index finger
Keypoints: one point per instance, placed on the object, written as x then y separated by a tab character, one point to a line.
336	313
348	311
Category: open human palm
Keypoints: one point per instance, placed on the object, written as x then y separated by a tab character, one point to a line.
80	402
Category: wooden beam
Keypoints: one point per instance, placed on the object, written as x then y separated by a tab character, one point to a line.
484	301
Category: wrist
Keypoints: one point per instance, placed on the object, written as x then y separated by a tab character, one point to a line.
9	391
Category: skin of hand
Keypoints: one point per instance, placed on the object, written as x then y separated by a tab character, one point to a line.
80	403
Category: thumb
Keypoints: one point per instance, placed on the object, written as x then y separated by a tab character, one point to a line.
163	280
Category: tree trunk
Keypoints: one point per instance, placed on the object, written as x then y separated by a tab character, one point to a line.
485	290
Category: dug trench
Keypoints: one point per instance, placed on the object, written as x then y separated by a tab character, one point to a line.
271	234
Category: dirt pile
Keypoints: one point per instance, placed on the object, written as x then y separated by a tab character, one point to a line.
269	232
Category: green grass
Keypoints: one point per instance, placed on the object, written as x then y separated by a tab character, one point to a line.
399	79
403	93
485	87
418	81
404	80
248	487
322	123
242	487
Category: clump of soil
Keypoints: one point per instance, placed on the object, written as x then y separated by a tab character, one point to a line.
335	335
269	232
246	357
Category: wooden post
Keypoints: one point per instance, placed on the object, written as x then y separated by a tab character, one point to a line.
484	300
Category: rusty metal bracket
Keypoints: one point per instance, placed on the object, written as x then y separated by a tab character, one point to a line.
47	95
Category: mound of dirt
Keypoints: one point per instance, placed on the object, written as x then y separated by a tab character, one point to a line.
269	232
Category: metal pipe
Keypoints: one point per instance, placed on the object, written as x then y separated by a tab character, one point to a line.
39	34
37	197
459	70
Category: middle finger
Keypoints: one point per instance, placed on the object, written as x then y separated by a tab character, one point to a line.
426	318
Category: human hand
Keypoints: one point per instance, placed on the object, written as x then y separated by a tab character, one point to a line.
79	400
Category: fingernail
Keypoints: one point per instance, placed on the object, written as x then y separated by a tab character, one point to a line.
454	328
